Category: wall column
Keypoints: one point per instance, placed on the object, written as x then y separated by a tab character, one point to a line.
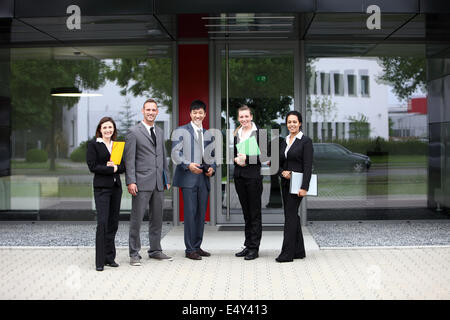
193	74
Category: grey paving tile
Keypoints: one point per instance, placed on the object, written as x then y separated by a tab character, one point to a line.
69	273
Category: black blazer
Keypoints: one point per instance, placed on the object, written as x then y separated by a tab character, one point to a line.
299	159
97	156
250	170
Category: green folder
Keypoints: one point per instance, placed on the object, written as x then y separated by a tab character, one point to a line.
249	147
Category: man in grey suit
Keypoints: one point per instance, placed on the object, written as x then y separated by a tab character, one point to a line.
146	163
194	168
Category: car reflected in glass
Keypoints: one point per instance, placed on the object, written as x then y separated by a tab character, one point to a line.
335	157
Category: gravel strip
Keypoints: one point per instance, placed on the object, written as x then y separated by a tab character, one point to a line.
325	233
380	233
63	234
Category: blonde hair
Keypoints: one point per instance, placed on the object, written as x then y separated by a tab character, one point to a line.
243	107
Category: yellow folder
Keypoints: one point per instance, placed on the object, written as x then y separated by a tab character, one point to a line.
117	152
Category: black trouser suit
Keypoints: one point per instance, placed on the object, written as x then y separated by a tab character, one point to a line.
248	182
107	203
249	191
298	158
107	196
293	245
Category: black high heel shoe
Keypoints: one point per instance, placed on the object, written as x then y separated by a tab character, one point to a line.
281	259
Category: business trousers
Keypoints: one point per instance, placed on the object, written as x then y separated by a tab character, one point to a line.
195	202
143	200
293	245
249	191
107	204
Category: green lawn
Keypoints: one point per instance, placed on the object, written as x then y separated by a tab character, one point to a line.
19	164
400	160
21	167
340	185
75	191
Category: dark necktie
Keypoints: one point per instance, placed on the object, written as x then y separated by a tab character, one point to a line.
200	141
152	133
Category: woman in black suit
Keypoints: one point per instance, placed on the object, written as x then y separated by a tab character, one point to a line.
107	191
296	154
248	184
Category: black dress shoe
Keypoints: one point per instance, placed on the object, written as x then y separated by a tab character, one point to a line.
193	255
203	253
242	253
252	254
99	268
112	264
280	259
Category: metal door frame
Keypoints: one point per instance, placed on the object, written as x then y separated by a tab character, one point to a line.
216	48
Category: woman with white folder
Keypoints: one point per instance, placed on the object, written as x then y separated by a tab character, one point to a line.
296	155
107	191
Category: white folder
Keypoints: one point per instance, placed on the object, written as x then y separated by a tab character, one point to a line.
296	183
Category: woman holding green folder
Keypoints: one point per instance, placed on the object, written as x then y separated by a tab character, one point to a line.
248	181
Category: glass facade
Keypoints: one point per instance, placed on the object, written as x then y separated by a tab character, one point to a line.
374	100
439	128
264	81
380	137
362	169
49	175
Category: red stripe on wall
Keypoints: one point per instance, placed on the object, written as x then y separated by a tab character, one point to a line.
193	84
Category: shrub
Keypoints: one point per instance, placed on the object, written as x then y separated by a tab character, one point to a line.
79	153
36	155
406	147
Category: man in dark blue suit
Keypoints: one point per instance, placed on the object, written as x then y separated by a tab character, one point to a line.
192	173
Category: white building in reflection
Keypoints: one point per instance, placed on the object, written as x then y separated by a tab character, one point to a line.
80	121
346	100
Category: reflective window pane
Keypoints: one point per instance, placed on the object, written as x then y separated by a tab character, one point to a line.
50	133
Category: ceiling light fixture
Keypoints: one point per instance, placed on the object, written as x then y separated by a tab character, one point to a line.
248	18
71	92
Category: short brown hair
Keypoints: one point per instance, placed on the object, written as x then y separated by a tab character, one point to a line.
151	101
98	133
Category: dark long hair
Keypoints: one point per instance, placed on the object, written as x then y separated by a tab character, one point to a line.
294	113
98	133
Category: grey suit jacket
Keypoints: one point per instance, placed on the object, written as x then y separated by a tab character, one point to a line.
145	162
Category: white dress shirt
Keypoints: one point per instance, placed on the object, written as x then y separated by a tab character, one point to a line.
288	146
109	147
148	128
248	134
194	126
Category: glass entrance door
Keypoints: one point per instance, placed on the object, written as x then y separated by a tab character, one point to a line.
263	79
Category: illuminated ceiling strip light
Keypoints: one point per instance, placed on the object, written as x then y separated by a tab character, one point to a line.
257	31
243	18
76	95
250	25
246	38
